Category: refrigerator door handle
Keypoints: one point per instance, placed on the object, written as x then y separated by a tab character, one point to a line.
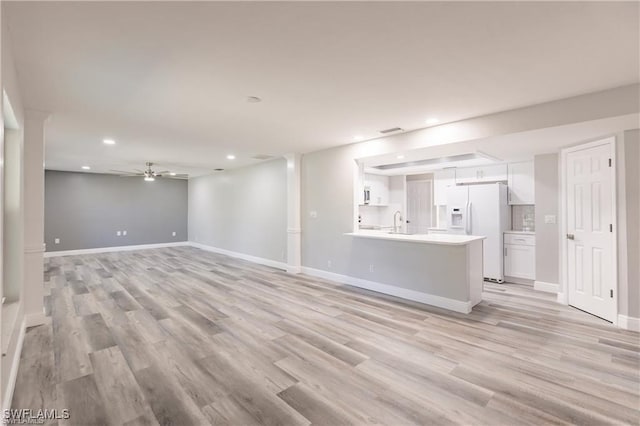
468	224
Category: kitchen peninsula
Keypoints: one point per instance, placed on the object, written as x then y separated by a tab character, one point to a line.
442	270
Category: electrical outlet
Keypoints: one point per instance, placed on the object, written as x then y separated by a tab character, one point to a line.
329	264
173	234
550	218
124	233
313	214
371	267
56	241
118	233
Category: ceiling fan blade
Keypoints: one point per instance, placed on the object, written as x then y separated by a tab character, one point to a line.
162	172
123	173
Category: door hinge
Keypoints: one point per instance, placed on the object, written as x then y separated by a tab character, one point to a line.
611	227
609	162
611	292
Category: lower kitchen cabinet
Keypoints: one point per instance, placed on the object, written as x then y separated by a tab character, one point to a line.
520	256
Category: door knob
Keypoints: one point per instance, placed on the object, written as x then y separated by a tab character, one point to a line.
571	237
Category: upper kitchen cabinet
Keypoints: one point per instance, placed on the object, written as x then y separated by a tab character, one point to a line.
521	183
483	174
378	187
442	180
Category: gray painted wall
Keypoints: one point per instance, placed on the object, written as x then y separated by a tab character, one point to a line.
85	210
629	224
242	210
547	190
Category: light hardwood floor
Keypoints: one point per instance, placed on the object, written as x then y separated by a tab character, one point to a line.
181	336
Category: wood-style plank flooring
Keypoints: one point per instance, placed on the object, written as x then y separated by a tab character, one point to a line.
180	336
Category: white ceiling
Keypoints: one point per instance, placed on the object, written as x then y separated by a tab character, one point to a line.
169	80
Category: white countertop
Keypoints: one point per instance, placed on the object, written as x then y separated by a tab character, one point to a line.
442	239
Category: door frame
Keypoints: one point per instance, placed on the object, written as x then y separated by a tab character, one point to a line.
563	296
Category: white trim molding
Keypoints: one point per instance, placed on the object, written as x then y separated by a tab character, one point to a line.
32	320
547	287
15	365
403	293
628	323
254	259
112	249
562	298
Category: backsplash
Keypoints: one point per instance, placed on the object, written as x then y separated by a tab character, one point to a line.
523	218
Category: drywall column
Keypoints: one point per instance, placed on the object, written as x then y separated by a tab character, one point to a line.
294	230
34	134
13	244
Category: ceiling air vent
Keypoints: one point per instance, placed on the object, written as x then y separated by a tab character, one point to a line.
218	170
391	130
262	157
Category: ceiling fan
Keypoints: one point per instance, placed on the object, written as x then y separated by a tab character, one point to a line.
150	175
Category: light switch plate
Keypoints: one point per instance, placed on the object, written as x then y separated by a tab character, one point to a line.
313	214
118	233
124	233
550	218
173	234
56	241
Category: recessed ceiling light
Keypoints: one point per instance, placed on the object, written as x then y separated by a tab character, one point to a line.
358	137
108	141
172	174
432	121
400	157
231	157
253	99
86	168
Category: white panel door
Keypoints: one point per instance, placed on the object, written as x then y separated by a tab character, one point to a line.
590	239
419	204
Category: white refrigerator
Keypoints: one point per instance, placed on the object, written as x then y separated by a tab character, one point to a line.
481	210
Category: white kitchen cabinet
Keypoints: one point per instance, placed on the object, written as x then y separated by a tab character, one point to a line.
521	183
378	186
482	174
442	180
520	256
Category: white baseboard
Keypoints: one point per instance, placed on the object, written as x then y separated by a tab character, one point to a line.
112	249
629	323
15	365
548	287
562	298
32	320
403	293
254	259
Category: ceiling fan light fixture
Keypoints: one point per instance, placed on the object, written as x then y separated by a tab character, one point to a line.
149	178
108	141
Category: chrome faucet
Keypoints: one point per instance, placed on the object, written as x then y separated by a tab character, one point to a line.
396	227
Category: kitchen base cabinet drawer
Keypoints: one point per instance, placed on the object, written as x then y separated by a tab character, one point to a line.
520	239
520	261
